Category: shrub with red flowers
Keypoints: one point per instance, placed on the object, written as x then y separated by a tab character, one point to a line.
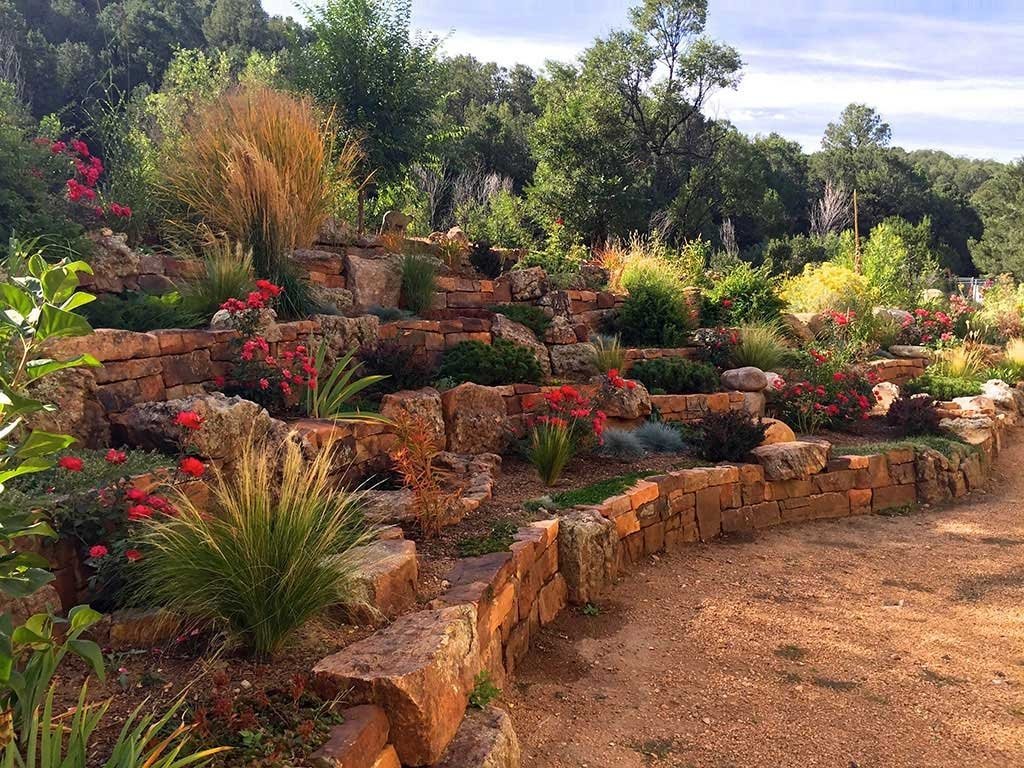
829	393
81	188
927	328
716	345
275	382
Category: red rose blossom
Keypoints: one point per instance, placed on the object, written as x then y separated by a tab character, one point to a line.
140	512
133	555
96	551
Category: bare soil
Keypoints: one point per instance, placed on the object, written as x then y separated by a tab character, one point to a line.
874	641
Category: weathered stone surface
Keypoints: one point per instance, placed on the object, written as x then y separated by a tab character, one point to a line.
419	670
909	352
790	461
77	410
754	403
424	404
625	403
375	280
974	430
746	379
777	432
383	580
976	404
517	333
587	549
886	393
112	262
228	424
893	315
475	419
223	320
336	232
344	334
560	331
813	321
797	328
527	284
573	360
775	381
486	739
44	600
356	742
388	758
1007	399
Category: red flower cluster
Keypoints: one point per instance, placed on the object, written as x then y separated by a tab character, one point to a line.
192	467
116	457
122	211
70	463
926	327
842	319
81	187
617	382
568	408
190	420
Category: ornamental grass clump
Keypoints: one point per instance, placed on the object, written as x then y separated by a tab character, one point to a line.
419	282
259	164
761	346
274	548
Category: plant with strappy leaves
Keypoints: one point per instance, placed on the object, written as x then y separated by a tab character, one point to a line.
329	399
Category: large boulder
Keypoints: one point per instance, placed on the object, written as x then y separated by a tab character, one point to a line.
229	423
754	403
527	284
587	554
793	460
76	409
777	432
746	379
486	739
383	580
560	331
343	334
976	404
573	360
973	430
1005	398
625	403
223	320
419	670
910	352
797	328
113	262
517	333
374	279
475	419
424	404
893	315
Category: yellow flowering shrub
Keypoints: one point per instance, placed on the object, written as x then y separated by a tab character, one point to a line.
824	286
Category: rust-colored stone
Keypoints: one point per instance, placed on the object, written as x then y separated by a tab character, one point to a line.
356	742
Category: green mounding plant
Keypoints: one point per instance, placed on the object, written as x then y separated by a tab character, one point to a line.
550	449
658	437
227	273
329	398
761	346
595	493
389	314
141	312
498	540
419	282
54	741
534	318
621	444
502	362
941	387
484	691
654	313
609	353
675	376
274	549
947	446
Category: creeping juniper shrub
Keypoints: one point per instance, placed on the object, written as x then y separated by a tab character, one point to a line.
491	364
943	387
404	368
675	376
729	436
915	415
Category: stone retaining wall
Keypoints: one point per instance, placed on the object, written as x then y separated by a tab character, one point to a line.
420	670
898	371
691	408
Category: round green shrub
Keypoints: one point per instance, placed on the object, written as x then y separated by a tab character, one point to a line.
490	364
675	376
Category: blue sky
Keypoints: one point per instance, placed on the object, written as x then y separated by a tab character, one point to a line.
944	74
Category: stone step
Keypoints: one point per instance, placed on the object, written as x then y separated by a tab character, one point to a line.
384	582
356	742
485	739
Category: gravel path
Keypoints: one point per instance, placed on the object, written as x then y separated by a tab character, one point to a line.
883	642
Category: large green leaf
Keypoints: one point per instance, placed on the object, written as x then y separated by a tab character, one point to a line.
38	368
91	652
17	299
22	582
40	443
55	323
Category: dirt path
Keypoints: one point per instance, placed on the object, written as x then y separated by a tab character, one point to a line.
867	642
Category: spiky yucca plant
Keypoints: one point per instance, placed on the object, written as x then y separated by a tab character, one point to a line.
260	165
274	549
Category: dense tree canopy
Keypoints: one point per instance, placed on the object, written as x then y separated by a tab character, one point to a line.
616	141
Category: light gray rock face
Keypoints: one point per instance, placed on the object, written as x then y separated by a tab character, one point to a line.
746	379
587	544
573	360
792	461
517	333
910	352
374	279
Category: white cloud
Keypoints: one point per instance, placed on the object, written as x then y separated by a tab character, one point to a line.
508	51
